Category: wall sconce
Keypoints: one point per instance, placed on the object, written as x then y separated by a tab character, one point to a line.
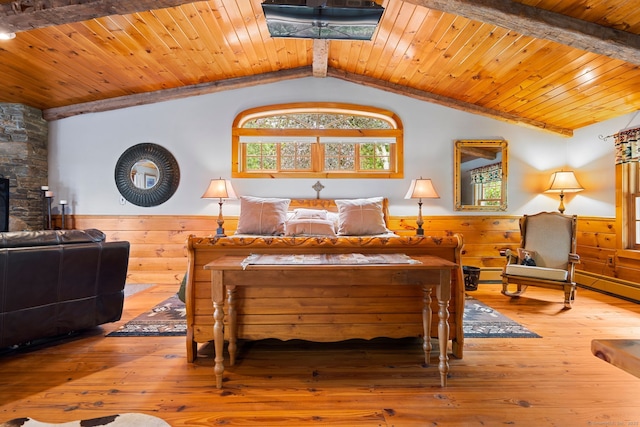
421	189
220	189
563	182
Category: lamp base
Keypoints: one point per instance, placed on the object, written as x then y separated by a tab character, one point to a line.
561	207
220	232
419	232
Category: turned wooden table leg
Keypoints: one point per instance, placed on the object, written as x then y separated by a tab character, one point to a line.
426	323
218	326
443	294
232	321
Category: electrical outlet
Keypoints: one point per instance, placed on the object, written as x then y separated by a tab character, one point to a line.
610	261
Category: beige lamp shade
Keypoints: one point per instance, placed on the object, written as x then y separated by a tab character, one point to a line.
220	189
421	189
564	182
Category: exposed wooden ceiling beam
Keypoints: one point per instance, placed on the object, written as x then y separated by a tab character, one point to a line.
242	82
24	15
544	24
447	102
482	153
175	93
320	57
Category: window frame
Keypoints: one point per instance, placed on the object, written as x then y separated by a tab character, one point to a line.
630	194
317	161
480	190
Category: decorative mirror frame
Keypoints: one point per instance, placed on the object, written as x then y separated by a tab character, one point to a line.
168	176
478	147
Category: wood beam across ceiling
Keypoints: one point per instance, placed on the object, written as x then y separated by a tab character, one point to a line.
447	102
544	24
173	93
25	15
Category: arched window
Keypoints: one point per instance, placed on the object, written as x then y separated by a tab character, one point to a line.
319	140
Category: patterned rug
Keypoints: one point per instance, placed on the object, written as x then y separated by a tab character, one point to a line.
169	319
165	319
481	321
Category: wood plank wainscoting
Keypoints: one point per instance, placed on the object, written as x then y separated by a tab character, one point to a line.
158	245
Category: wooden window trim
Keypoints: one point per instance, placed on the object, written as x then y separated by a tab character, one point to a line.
627	185
396	158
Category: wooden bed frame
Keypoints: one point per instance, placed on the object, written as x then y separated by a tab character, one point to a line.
269	312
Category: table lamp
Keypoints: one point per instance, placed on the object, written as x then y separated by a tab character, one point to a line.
421	189
563	182
220	189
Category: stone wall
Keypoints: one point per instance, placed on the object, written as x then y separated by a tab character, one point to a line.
23	160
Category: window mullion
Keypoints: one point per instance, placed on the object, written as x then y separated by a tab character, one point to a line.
317	156
278	157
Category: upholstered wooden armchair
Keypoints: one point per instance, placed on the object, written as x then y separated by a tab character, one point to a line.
549	239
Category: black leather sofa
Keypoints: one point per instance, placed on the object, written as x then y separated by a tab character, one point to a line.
54	282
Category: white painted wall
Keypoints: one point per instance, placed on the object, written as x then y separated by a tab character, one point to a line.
83	151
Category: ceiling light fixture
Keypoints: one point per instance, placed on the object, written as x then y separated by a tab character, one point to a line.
328	19
7	36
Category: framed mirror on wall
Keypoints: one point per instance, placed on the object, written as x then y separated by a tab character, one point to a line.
480	175
147	175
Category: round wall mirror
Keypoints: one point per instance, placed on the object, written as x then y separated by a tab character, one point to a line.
144	174
147	175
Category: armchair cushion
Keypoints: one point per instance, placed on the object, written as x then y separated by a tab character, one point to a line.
550	236
544	273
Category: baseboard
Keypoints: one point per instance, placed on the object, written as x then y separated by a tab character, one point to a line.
609	285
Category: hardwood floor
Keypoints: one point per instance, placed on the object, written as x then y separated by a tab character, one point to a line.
550	381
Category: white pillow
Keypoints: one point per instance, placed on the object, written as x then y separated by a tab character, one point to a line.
358	217
263	216
333	216
302	213
310	227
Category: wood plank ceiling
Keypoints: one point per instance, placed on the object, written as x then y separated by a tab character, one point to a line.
556	65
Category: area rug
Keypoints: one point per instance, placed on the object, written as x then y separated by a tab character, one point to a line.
165	319
169	319
120	420
481	321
